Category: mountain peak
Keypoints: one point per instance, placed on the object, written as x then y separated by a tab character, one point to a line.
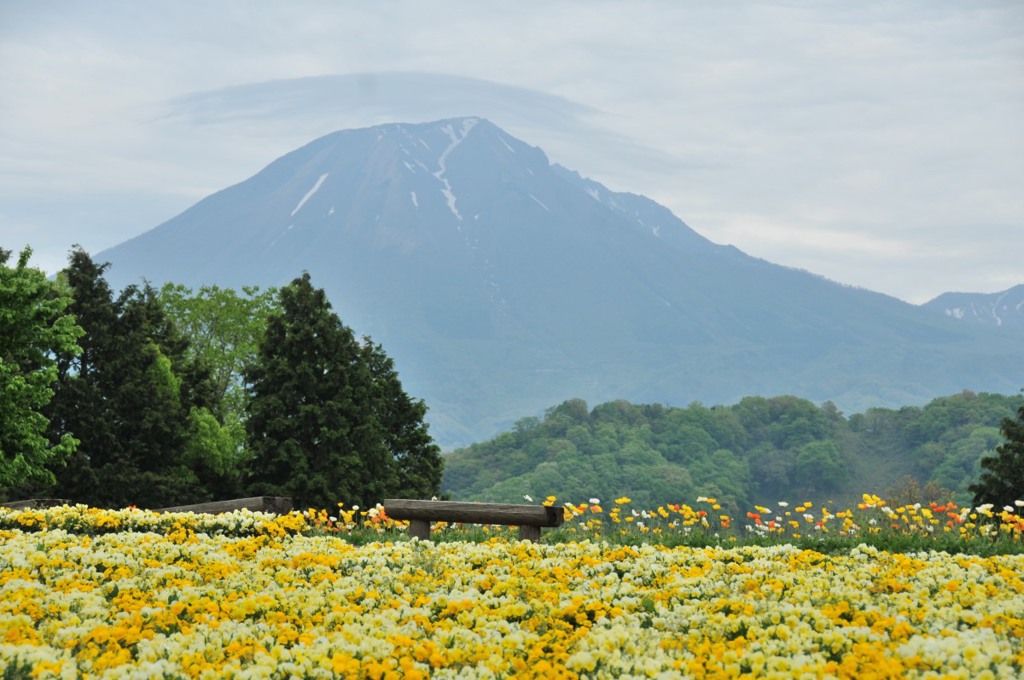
1003	309
502	284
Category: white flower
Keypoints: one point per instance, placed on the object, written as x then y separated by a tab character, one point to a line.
1019	504
594	501
527	497
783	504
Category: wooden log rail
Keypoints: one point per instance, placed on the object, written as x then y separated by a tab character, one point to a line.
529	518
36	504
274	504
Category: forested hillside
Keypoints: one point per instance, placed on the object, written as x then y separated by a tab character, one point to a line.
756	451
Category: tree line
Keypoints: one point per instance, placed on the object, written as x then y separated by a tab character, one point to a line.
165	397
156	398
756	451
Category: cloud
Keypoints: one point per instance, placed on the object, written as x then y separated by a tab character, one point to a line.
892	128
392	95
759	233
322	104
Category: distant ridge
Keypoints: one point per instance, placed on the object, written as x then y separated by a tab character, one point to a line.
1004	309
503	284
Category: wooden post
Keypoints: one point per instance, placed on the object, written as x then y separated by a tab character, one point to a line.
419	528
529	532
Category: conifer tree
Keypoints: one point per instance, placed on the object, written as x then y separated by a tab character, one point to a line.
418	461
127	397
320	425
1002	478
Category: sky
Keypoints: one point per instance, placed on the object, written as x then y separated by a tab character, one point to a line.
879	144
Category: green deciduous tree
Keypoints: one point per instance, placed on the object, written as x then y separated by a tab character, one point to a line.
328	420
819	467
1002	477
34	324
224	329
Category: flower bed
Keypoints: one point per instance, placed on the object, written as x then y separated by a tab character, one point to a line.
179	596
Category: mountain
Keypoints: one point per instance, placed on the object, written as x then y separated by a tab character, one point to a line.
1005	309
502	284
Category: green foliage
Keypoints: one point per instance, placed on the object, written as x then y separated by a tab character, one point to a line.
328	419
418	461
34	324
224	329
819	467
129	397
211	453
759	450
1002	479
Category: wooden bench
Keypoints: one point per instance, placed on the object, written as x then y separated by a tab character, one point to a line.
529	518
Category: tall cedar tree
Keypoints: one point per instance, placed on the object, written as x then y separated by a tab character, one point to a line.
319	427
418	460
127	397
1002	478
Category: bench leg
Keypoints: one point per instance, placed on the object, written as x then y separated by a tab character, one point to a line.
419	528
529	533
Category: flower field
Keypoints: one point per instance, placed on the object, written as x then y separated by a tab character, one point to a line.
90	593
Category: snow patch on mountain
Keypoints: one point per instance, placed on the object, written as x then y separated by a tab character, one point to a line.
442	161
1003	309
540	203
309	194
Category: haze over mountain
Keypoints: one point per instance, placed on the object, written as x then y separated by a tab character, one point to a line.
502	284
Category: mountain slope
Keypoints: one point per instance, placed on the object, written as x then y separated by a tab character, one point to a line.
502	284
1005	309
